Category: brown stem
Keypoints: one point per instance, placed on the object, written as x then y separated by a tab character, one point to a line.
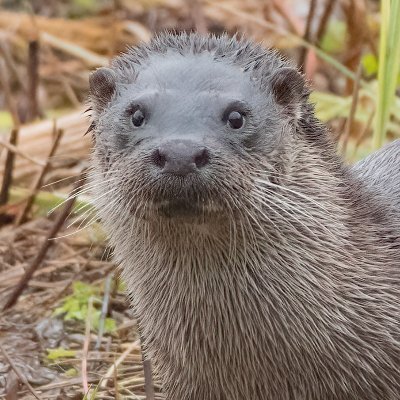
39	180
148	380
21	377
8	169
48	242
33	79
349	122
307	35
323	22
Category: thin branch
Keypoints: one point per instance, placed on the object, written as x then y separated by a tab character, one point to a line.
354	103
104	309
8	169
110	372
90	58
307	35
16	150
364	133
33	79
148	380
323	22
85	350
291	36
23	283
21	376
39	180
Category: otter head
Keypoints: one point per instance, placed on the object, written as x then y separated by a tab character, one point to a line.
182	126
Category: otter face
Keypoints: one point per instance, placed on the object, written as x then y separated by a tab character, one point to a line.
178	141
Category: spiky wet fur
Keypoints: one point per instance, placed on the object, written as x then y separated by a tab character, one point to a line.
292	293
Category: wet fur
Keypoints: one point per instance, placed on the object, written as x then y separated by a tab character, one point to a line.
291	292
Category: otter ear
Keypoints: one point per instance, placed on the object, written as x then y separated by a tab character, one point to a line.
288	87
102	84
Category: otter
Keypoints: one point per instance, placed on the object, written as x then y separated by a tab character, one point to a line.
258	264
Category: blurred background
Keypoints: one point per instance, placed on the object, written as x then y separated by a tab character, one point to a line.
65	330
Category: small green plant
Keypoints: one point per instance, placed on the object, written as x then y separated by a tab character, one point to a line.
59	352
75	306
91	395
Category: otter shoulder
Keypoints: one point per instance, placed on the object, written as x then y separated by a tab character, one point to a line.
380	171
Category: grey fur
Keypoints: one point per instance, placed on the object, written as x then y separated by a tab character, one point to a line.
287	284
381	171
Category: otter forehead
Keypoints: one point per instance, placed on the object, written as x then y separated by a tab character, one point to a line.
195	74
182	94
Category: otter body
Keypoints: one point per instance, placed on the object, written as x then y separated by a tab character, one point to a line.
259	266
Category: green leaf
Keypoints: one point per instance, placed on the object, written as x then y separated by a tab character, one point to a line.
83	290
370	64
110	325
389	68
335	36
60	352
71	372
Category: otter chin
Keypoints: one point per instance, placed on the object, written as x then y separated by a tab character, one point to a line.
180	209
258	264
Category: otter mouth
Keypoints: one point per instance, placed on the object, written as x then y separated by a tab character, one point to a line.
178	208
181	208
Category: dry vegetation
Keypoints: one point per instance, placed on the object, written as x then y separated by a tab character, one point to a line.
65	330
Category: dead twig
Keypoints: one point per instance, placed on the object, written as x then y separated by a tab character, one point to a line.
85	350
110	372
364	133
39	180
8	169
90	58
11	389
16	150
21	377
323	22
148	380
22	284
104	310
307	35
354	103
33	79
354	10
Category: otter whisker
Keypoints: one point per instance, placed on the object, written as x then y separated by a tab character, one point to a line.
273	203
73	194
303	196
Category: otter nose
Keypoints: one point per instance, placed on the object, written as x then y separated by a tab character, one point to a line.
181	157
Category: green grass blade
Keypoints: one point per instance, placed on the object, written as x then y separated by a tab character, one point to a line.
389	65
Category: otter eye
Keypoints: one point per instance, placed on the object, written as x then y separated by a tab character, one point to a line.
235	119
138	118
